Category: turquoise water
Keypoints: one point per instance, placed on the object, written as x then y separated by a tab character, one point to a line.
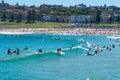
74	64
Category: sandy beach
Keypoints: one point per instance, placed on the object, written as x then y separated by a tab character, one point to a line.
71	30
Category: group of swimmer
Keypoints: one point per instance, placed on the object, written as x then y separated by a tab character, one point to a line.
93	49
15	51
100	49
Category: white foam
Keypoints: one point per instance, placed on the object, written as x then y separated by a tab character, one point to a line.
65	34
114	37
87	43
87	78
75	47
61	53
66	49
82	48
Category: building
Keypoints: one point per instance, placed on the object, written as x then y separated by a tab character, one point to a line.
78	19
4	5
116	18
104	17
46	18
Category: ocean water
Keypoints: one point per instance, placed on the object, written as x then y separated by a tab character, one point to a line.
74	64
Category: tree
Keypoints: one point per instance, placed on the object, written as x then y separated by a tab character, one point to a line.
11	17
3	18
33	15
1	11
98	13
29	16
118	19
19	18
32	6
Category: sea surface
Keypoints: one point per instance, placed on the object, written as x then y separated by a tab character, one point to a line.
72	64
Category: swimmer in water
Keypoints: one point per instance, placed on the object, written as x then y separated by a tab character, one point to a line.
40	50
88	54
26	48
59	50
113	46
72	46
9	51
17	51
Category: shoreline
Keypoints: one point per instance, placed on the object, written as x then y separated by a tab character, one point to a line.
67	30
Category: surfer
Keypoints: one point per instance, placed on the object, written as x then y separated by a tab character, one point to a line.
96	51
101	50
26	48
59	50
88	54
40	50
104	47
110	49
107	48
113	46
17	51
9	51
14	51
85	42
72	46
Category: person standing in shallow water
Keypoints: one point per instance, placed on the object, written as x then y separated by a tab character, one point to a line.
17	51
9	51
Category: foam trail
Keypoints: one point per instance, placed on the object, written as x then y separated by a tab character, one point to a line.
114	37
83	48
66	49
76	47
29	55
21	56
87	43
37	53
66	34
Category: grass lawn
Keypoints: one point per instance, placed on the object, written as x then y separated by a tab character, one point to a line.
45	24
31	25
108	24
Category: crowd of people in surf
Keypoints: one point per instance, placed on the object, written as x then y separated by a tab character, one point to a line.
98	49
17	51
92	50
